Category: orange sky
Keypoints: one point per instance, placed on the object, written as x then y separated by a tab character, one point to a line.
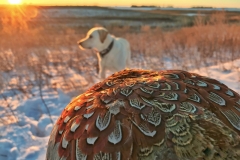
174	3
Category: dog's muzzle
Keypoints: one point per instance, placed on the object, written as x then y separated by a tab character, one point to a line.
83	47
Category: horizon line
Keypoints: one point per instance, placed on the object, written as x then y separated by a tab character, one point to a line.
127	6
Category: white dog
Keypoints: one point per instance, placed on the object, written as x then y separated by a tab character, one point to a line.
113	53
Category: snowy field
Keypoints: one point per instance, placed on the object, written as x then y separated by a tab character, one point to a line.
28	140
86	12
171	8
113	11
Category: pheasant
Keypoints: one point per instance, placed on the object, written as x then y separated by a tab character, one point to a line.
146	115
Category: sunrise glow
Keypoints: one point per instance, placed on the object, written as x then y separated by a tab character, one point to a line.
14	1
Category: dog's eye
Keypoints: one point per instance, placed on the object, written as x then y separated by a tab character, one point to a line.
90	36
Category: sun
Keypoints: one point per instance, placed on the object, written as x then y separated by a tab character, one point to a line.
14	1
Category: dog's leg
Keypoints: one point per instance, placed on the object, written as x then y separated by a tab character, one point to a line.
102	71
102	74
129	61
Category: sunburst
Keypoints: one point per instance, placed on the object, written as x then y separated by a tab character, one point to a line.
14	1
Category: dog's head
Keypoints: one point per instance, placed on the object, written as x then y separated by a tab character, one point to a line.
95	39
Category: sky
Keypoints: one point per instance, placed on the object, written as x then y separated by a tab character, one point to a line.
163	3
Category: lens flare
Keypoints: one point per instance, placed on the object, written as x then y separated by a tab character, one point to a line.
14	1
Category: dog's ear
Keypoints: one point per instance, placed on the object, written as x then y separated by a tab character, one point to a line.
102	34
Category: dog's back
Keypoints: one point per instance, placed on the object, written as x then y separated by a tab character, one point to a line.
120	56
126	48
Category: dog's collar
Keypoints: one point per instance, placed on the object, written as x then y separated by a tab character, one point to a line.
107	50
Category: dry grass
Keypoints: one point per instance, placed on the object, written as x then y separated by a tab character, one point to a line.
33	53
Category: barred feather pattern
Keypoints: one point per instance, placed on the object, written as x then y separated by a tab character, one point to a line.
147	115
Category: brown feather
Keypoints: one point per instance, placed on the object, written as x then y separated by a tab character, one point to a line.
141	114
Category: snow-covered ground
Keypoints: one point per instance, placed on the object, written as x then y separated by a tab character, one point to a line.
115	11
28	139
85	12
172	8
203	9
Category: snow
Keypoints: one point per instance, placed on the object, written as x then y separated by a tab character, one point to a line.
193	14
84	12
136	8
28	139
227	73
8	150
173	8
203	9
